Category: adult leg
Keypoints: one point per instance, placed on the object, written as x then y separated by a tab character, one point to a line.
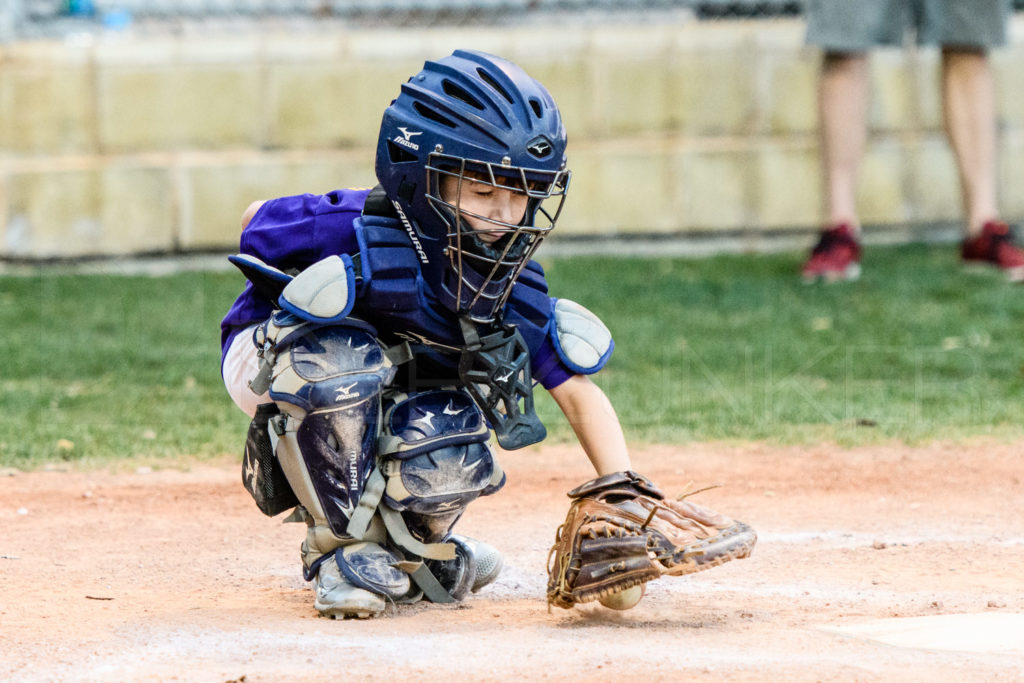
967	31
842	108
969	113
846	31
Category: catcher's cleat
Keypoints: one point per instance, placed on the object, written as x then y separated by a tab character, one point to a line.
994	247
337	598
621	532
476	564
356	580
488	561
835	258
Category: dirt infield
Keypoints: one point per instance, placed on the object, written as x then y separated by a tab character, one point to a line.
172	574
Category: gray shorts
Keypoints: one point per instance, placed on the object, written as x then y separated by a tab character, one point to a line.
858	25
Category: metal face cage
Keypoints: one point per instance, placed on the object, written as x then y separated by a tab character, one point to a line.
484	272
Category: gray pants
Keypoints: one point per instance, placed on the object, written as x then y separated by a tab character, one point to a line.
859	25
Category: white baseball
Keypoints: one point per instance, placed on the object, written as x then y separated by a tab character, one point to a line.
624	599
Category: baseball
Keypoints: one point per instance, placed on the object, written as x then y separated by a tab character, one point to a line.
624	599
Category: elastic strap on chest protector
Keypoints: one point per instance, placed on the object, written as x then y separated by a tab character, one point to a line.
496	371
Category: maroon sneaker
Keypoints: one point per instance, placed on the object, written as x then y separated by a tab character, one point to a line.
994	247
835	257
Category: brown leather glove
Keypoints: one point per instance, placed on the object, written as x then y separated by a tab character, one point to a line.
621	532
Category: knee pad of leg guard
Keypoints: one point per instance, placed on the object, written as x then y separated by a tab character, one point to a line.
329	367
436	456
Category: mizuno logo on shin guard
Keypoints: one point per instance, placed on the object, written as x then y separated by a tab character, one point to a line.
342	393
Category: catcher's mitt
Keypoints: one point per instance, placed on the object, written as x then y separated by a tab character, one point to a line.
621	532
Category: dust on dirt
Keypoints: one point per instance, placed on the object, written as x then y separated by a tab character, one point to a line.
173	574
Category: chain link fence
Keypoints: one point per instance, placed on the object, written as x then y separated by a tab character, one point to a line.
32	19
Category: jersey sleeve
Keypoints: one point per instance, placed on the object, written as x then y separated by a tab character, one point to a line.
533	312
291	234
296	232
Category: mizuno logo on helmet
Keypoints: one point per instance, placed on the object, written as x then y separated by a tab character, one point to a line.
539	147
405	139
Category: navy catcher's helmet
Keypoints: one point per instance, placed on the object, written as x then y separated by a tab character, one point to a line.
473	117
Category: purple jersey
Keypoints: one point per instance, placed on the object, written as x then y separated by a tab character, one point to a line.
292	233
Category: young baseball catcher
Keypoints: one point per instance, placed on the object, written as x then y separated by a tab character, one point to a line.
385	333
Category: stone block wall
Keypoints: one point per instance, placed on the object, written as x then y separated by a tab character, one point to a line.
121	145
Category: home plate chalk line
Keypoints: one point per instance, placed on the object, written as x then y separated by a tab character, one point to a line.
990	632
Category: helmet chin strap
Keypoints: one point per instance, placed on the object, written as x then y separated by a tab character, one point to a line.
495	368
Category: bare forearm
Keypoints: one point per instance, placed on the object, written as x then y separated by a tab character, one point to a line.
595	423
605	446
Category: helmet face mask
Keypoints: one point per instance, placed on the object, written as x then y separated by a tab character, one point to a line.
484	252
469	125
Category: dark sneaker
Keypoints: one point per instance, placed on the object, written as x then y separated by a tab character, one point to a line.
836	257
994	247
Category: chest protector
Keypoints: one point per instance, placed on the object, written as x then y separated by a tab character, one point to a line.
394	297
492	361
391	289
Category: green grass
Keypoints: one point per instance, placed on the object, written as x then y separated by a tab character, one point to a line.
733	347
738	348
102	367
